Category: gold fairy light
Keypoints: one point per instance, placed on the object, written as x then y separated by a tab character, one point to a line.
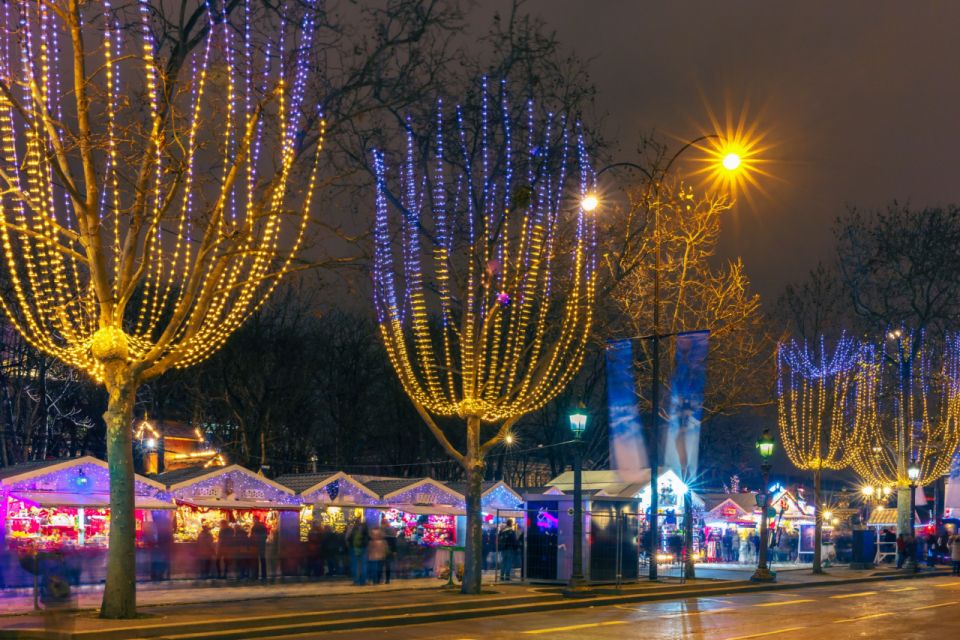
146	213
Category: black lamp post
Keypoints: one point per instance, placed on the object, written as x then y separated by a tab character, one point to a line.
765	446
577	586
913	473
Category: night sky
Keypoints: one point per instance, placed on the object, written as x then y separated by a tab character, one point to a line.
858	100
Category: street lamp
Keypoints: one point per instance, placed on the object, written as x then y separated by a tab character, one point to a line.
577	586
730	163
589	202
913	473
765	445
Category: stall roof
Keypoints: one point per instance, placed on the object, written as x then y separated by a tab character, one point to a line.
229	503
307	483
385	486
745	501
28	470
300	482
169	478
179	483
886	517
86	500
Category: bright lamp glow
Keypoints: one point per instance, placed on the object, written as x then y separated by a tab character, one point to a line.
731	161
151	443
765	444
589	202
913	472
867	490
578	421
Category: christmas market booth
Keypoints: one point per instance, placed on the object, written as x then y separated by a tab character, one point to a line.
794	525
332	499
237	498
730	524
64	506
429	519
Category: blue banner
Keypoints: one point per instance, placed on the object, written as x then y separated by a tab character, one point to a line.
682	440
627	452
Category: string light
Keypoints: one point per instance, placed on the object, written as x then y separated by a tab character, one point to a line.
508	339
163	271
815	396
908	409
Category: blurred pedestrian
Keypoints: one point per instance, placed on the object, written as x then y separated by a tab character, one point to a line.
376	554
357	538
314	551
507	545
205	552
955	553
224	549
901	550
258	543
390	535
332	550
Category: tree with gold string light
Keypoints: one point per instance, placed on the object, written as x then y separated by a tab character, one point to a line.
147	199
815	397
484	277
908	408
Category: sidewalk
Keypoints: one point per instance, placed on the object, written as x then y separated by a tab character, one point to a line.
275	611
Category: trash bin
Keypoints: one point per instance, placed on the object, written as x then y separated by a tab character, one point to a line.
864	549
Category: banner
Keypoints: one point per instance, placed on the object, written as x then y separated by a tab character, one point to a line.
682	439
627	452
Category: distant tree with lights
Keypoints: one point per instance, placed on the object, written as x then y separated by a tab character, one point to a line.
818	427
908	406
147	205
484	277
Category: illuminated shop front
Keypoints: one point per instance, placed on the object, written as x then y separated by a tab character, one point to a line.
427	525
333	500
230	494
66	504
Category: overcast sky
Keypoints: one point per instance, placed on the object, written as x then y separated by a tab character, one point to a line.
860	99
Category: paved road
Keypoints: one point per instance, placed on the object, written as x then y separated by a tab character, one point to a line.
902	609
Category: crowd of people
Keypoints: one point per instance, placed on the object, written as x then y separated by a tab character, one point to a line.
239	551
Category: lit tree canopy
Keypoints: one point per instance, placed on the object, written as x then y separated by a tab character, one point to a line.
145	215
149	200
484	279
815	397
909	407
508	271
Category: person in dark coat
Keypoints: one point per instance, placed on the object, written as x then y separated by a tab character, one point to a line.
258	543
206	552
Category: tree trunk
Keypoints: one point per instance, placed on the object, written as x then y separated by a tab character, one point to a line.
473	549
903	510
818	527
119	592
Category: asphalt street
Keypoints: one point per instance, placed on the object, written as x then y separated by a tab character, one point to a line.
901	609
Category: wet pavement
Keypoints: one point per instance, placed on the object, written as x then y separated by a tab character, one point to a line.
902	609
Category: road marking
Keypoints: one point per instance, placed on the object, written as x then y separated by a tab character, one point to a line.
766	633
574	627
947	584
782	603
859	594
902	589
867	617
934	606
697	613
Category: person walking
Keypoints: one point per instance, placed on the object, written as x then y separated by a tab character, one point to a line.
507	543
954	544
357	538
390	535
901	550
377	551
258	540
206	553
225	549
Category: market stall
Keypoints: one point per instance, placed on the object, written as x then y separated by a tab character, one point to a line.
333	500
64	506
233	497
730	523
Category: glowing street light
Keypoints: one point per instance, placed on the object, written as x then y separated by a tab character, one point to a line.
589	202
731	162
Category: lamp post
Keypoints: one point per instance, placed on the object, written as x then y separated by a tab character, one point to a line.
913	472
577	585
731	162
765	446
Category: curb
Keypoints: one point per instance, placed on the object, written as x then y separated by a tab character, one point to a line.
414	614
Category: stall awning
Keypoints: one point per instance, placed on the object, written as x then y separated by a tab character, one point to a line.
426	509
213	503
86	500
